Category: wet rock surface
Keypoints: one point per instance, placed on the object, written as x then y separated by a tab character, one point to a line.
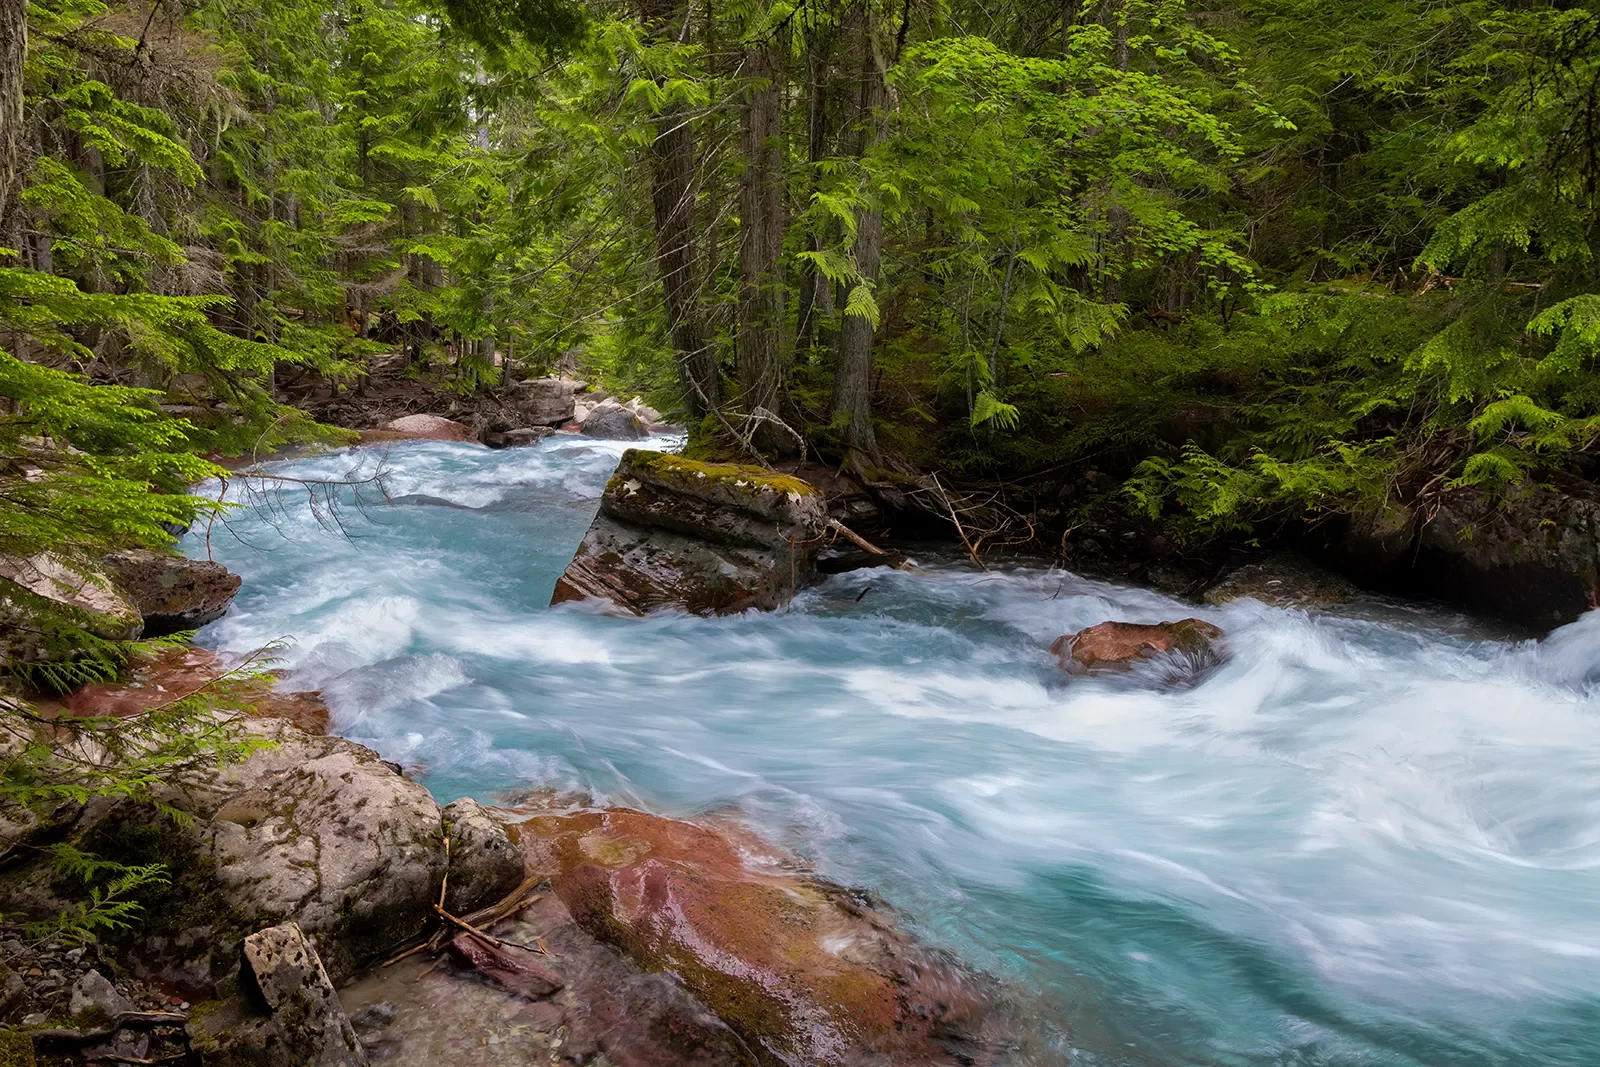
709	538
1122	644
603	1009
173	593
803	970
1282	581
1531	555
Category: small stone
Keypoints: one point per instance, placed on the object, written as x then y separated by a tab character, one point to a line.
36	1018
375	1017
95	993
75	955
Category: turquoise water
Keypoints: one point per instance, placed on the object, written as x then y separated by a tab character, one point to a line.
1368	839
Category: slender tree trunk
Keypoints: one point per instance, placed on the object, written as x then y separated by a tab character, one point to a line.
815	298
673	194
761	370
1116	214
852	382
13	48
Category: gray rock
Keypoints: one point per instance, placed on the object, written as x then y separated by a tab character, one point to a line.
94	996
484	863
613	422
1282	581
545	401
323	832
13	989
706	538
526	435
1531	554
287	1014
173	593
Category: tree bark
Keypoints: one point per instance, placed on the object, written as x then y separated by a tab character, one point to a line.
13	47
815	298
761	370
852	382
672	192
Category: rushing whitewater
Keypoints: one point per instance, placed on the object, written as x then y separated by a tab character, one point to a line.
1368	838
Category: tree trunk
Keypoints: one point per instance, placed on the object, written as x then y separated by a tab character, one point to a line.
672	190
761	377
815	298
13	47
852	382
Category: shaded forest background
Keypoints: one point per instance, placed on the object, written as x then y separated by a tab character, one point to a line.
1224	266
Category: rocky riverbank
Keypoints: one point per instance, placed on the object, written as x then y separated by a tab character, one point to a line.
619	937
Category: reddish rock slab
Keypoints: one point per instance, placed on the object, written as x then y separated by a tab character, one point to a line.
174	673
1121	644
429	428
804	970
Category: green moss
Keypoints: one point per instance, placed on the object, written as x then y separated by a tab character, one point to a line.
16	1049
756	479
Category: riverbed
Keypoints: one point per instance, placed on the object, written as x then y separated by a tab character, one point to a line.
1370	837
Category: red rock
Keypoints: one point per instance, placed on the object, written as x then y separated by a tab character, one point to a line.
174	673
430	428
1123	643
798	966
508	968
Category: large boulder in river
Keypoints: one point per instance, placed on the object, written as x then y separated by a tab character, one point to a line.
1121	644
709	538
806	971
45	602
173	593
612	421
317	831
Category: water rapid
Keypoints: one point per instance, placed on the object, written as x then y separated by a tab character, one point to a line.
1370	838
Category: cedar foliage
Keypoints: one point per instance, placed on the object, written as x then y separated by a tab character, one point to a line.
1258	259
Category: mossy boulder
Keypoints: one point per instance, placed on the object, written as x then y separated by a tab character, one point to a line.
709	538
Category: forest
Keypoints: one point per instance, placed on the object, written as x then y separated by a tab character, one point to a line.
1240	265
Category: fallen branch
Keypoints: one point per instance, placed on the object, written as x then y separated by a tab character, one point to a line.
122	1021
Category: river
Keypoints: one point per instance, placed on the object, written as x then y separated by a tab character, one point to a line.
1369	838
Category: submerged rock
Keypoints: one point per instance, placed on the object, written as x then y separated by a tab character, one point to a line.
1282	581
173	593
805	971
429	428
1120	644
709	538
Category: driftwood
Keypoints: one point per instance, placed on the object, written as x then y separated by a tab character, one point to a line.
862	543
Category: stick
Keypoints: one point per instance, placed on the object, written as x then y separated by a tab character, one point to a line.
973	552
